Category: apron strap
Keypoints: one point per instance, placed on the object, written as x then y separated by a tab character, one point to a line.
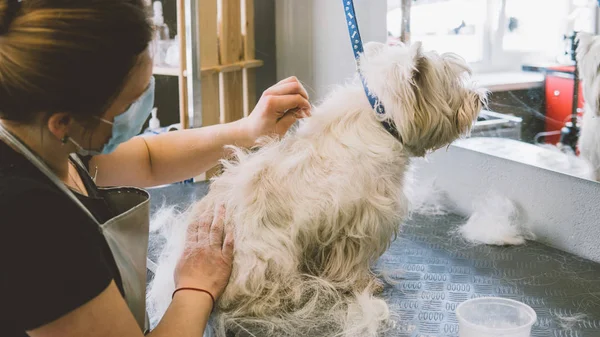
151	265
75	158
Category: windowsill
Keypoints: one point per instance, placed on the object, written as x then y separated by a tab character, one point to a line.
509	80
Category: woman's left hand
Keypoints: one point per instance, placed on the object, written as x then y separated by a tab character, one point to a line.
277	110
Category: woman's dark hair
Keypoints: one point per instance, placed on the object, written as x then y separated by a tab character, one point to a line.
69	56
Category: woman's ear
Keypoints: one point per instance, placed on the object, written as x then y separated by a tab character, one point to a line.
59	124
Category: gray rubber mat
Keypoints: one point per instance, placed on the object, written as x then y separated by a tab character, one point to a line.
436	271
433	271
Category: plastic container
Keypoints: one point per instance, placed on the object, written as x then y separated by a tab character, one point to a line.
494	317
161	30
172	57
161	40
154	121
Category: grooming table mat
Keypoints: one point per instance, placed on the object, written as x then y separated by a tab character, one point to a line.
434	271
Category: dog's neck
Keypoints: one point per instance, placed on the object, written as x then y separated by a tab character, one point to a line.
348	112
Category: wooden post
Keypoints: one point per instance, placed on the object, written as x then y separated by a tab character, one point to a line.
230	47
209	61
226	61
183	102
249	55
405	31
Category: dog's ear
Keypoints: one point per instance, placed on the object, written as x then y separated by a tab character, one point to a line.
373	49
417	57
416	50
385	68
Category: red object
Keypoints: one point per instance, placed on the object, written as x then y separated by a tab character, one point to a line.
559	100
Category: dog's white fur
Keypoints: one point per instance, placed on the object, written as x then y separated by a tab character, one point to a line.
314	210
588	59
496	220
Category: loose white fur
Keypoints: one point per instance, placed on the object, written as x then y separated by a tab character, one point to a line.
568	323
313	211
424	197
588	58
495	221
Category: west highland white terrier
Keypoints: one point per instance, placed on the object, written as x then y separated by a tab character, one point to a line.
314	211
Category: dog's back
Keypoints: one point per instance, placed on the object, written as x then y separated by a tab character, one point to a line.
311	212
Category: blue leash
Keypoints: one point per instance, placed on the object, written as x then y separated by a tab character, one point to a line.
357	47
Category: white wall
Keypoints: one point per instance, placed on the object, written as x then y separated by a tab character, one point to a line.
313	43
563	211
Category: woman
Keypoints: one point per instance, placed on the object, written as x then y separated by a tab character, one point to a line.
75	77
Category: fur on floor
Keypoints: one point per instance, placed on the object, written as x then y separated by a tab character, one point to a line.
314	210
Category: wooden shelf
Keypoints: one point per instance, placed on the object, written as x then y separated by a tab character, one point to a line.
167	71
233	67
227	70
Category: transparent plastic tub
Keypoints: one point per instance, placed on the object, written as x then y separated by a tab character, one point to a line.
494	317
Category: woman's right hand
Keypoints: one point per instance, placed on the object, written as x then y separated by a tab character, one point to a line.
208	256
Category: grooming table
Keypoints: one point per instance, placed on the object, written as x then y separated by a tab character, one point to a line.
435	271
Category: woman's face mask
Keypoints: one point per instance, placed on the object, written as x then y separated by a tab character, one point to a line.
126	125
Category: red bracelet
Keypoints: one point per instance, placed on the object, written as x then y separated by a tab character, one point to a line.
199	290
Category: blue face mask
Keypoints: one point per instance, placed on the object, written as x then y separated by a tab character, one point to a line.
126	125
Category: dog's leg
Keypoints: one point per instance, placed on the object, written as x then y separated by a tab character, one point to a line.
357	238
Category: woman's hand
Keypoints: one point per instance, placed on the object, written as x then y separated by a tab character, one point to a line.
277	110
208	256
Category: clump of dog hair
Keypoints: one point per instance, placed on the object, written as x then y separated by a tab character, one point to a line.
568	323
423	195
166	227
496	220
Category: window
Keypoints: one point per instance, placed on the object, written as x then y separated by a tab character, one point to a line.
495	35
526	30
449	26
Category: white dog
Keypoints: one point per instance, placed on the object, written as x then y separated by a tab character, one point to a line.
588	58
313	211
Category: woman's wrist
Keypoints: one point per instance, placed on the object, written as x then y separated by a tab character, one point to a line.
242	133
193	300
198	290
